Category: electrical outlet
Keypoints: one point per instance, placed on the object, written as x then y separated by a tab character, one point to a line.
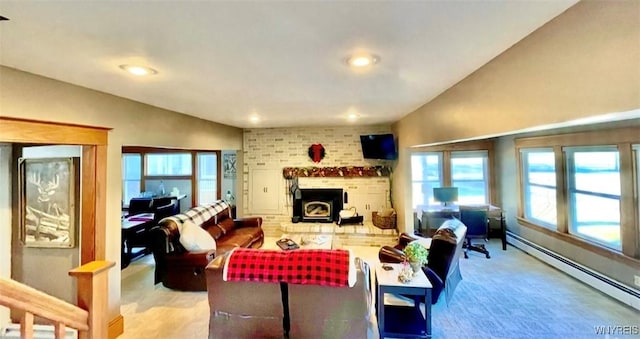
636	280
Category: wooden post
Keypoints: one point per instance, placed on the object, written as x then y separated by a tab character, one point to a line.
26	325
93	296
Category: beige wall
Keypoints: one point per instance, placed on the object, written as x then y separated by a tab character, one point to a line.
582	65
24	95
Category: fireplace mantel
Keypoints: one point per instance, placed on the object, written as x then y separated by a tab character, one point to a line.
344	171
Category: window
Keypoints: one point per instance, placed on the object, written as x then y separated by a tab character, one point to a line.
426	169
151	171
469	172
597	180
131	176
207	177
168	164
464	165
593	186
539	186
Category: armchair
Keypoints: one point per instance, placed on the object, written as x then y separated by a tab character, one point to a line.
442	268
475	218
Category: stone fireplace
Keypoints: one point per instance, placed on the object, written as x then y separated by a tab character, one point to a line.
318	204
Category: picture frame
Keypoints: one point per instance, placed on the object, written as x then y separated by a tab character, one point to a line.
229	165
47	202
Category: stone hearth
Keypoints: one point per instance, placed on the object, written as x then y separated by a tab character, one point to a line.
357	235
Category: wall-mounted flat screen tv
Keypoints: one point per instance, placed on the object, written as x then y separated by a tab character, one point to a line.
378	146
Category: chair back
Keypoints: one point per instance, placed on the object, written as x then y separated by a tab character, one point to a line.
140	205
161	201
161	212
475	218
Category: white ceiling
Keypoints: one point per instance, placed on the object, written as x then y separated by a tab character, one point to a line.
284	61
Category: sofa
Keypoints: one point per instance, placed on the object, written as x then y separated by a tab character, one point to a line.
182	269
259	309
445	247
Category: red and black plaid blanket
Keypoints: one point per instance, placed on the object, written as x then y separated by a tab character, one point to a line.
317	267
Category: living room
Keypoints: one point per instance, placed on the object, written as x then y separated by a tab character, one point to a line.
576	72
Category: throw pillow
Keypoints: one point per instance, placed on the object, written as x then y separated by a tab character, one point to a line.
194	238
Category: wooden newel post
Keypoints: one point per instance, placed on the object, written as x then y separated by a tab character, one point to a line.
93	296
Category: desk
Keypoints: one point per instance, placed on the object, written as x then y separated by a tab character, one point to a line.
134	234
432	216
401	321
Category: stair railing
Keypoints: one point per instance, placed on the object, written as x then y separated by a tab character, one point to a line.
89	317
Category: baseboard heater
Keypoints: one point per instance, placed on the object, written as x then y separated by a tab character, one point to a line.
590	277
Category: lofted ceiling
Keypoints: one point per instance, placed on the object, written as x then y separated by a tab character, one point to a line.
282	61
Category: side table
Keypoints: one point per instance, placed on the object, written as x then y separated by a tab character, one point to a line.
402	321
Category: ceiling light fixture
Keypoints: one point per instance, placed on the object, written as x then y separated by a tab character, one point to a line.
139	70
362	60
352	117
254	118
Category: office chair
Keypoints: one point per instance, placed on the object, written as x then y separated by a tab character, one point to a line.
140	205
475	218
166	210
161	201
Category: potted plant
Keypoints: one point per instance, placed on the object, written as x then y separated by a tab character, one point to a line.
416	255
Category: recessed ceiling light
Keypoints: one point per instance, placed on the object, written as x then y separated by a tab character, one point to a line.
352	117
362	60
138	70
254	119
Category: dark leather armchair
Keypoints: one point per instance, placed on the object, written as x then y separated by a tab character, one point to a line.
442	268
477	222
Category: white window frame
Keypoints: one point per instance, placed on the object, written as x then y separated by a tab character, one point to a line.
571	190
125	180
428	195
526	187
148	167
484	154
200	179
